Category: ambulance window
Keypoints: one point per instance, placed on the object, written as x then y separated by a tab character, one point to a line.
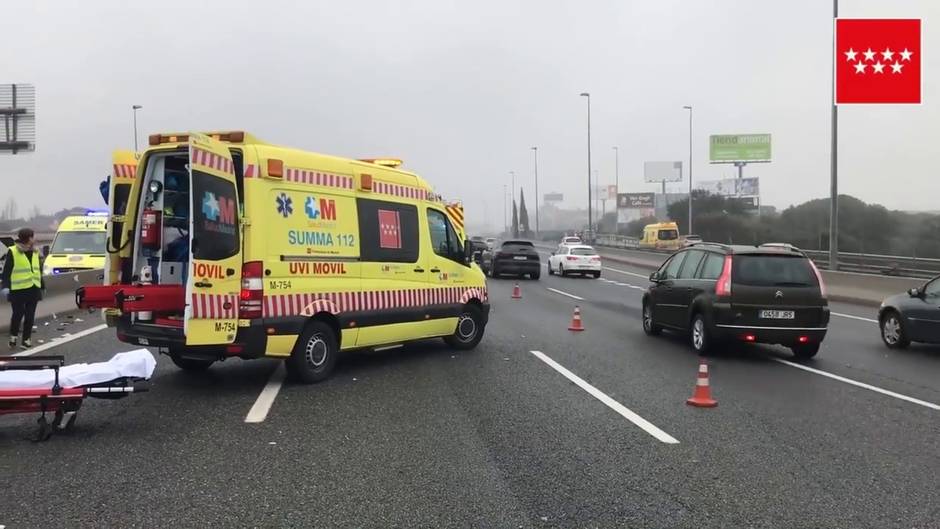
388	231
443	238
119	206
215	218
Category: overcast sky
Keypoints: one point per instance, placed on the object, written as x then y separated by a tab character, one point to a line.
462	90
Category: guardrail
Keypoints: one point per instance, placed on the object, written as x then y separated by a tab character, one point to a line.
60	294
887	265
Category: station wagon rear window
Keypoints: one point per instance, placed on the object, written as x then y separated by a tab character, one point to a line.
773	271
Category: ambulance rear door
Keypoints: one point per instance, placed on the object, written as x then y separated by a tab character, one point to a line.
123	175
214	278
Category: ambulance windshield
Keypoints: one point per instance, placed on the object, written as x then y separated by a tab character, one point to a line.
72	242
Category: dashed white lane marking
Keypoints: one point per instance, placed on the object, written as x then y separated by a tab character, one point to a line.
572	296
60	341
259	411
862	385
628	414
625	272
851	317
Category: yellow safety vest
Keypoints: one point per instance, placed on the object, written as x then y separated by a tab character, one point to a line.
25	274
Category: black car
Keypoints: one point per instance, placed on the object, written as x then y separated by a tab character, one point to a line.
765	294
512	258
477	247
911	317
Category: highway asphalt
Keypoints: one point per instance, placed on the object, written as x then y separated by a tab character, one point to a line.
503	436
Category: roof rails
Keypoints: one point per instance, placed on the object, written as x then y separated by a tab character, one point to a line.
783	245
706	243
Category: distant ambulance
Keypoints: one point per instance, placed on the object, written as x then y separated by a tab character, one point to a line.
79	244
661	236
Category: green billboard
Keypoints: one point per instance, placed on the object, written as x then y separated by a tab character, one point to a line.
730	148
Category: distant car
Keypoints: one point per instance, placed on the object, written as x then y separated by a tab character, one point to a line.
571	240
913	316
477	247
490	242
764	294
689	240
517	258
575	259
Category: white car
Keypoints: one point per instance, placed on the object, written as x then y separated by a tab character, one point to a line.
490	242
570	241
575	259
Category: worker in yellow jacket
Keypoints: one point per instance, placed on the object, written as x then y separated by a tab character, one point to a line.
21	284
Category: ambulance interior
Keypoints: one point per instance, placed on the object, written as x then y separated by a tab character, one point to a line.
161	252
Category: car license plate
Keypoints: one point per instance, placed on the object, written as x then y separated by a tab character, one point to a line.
778	314
520	258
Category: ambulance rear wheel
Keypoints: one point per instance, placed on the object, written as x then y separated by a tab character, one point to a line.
469	329
189	364
314	355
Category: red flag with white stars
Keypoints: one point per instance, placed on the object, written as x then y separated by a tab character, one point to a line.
389	229
878	61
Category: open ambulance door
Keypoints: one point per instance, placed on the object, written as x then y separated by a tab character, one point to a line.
214	278
123	176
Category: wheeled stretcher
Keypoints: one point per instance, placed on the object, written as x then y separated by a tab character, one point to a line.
44	384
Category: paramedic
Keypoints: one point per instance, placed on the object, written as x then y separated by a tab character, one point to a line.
21	284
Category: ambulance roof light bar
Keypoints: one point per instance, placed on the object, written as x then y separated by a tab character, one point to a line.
235	136
384	162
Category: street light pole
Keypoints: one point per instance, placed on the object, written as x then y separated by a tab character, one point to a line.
590	213
616	185
689	108
535	150
834	161
505	215
135	108
514	209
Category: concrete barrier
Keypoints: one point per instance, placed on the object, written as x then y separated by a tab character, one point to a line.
60	295
851	287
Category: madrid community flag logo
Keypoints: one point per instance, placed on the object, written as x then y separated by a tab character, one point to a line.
878	61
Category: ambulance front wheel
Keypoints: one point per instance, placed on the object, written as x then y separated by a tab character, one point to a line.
189	364
314	355
469	329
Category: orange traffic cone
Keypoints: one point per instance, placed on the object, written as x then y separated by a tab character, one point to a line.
702	396
516	292
576	324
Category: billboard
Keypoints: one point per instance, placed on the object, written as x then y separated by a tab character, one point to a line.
636	200
18	125
747	203
605	192
553	197
731	148
731	187
656	172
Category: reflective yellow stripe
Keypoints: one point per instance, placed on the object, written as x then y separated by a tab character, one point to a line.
25	275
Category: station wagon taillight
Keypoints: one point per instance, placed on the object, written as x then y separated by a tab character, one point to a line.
251	297
723	286
822	284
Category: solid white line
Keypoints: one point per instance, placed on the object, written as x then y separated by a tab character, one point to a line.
49	345
259	411
625	272
647	426
862	385
572	296
853	317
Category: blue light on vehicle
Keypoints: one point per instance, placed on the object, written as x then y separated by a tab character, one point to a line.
97	213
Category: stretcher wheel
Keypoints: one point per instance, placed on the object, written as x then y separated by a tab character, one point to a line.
45	429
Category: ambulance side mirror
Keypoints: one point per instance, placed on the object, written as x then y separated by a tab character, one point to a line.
467	252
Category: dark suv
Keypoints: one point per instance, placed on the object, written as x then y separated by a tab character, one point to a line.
770	293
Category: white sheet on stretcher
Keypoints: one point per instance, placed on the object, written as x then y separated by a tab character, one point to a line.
139	363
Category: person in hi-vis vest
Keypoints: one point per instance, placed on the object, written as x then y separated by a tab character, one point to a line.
21	283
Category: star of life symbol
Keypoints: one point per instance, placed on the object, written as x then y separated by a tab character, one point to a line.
285	206
862	60
310	206
210	206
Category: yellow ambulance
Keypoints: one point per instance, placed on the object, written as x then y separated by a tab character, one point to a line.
232	247
79	244
662	236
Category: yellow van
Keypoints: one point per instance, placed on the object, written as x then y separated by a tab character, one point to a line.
662	235
79	244
233	247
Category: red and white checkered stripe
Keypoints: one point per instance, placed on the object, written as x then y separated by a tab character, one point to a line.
211	160
317	178
214	306
399	190
126	171
376	300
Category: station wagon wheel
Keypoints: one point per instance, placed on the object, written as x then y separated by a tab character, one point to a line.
649	327
314	355
469	329
892	331
699	335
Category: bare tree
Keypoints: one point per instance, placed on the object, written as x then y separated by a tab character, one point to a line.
9	211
